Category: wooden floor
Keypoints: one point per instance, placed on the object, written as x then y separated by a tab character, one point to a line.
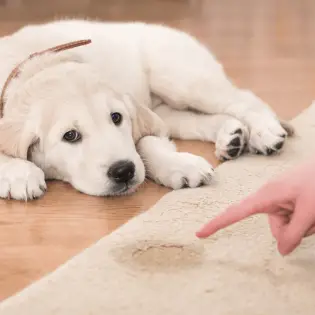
266	45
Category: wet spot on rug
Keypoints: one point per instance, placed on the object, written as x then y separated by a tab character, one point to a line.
159	256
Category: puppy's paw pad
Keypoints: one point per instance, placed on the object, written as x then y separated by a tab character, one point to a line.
238	131
231	141
21	180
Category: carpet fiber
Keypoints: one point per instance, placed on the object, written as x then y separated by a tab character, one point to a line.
155	265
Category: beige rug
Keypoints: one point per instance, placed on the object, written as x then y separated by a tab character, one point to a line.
154	265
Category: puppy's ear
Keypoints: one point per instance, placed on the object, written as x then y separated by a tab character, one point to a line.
144	121
147	123
14	139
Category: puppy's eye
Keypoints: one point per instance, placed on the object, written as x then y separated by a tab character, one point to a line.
116	118
72	136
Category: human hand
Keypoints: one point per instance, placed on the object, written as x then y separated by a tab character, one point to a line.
289	203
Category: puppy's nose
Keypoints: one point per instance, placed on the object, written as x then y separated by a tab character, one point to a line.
122	171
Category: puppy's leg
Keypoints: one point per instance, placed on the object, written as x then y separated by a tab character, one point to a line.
229	134
170	168
20	179
185	75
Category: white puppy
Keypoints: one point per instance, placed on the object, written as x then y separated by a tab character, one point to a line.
100	116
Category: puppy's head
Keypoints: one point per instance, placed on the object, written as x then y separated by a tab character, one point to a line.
67	121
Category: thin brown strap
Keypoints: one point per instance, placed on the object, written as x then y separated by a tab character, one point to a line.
15	72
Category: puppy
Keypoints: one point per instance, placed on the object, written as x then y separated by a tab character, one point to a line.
100	116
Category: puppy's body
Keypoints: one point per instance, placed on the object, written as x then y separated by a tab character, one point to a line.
152	75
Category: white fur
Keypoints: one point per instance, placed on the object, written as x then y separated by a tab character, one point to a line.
20	179
153	75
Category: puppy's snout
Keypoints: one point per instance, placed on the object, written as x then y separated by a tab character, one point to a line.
122	171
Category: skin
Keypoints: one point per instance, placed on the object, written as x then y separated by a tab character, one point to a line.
289	202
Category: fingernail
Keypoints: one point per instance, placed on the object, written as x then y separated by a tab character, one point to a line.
200	234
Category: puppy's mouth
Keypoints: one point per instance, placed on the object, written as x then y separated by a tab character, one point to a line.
125	189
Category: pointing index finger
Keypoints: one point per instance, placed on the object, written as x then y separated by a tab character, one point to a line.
263	201
230	216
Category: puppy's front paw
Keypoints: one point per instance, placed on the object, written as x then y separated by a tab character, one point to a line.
21	180
185	170
267	137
